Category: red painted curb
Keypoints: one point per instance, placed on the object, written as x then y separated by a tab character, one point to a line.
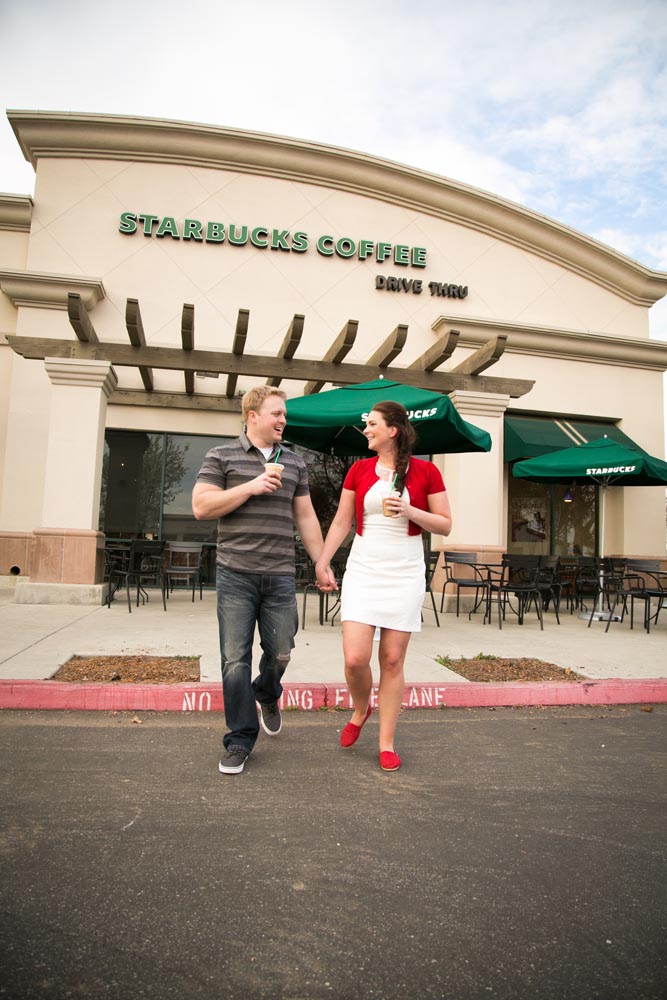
203	697
599	692
198	697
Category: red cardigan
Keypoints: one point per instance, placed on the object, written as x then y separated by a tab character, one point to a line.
423	479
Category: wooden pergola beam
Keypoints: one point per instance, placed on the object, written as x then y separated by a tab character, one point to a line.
439	353
135	331
238	346
290	343
80	320
188	342
390	348
483	357
258	366
341	346
175	400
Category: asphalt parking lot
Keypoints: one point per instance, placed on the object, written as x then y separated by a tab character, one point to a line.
517	854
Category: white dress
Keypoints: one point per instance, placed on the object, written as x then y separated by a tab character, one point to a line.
385	577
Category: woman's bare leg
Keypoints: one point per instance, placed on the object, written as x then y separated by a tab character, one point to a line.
357	650
393	647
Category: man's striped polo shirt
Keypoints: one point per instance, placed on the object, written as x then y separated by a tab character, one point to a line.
257	537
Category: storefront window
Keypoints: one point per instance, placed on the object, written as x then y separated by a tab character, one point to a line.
574	530
130	502
147	482
551	520
529	517
184	456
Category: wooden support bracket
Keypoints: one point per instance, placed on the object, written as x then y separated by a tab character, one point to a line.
341	346
188	341
135	331
80	320
389	348
439	353
290	343
483	357
238	346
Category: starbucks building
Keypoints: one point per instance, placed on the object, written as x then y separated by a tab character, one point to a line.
161	268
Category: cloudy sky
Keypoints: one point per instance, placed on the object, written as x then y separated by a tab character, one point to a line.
560	105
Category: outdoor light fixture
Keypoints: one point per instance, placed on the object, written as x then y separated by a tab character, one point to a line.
568	496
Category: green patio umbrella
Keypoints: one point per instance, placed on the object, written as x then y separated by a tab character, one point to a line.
602	462
333	421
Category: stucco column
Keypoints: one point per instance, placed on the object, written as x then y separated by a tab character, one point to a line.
68	554
79	394
475	480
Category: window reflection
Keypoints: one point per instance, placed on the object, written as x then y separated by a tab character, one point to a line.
529	517
542	523
184	458
147	482
574	528
131	484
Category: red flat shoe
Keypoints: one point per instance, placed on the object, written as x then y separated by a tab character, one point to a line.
350	733
389	761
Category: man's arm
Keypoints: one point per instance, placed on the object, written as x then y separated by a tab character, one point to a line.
210	502
308	526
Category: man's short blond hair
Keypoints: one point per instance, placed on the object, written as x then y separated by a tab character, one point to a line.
254	398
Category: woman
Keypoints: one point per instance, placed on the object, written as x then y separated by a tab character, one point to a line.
385	578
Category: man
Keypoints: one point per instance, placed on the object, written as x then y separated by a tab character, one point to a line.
257	513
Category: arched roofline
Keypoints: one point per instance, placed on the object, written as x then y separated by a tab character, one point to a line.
45	134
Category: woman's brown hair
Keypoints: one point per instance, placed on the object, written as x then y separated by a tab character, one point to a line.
395	415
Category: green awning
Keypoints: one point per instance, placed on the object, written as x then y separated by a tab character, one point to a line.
530	436
591	430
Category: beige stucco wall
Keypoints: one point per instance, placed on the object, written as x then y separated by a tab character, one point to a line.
13	255
75	231
78	202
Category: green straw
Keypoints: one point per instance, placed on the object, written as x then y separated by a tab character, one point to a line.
278	454
393	485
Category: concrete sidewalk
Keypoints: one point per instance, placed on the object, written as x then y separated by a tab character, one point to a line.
36	639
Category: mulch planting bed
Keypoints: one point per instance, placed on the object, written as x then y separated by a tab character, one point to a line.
496	669
185	669
129	670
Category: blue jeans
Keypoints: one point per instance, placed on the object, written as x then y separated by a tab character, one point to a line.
243	600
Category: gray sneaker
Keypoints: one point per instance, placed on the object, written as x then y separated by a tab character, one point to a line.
270	718
234	760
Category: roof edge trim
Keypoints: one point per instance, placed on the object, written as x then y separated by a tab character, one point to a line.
40	290
16	212
557	342
43	134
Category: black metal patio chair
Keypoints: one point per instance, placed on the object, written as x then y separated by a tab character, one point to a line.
586	586
463	573
549	583
641	580
144	567
116	559
431	560
183	565
516	588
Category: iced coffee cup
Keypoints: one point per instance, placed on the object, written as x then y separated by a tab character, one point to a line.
386	510
274	467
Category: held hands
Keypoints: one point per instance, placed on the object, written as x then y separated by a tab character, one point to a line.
326	581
